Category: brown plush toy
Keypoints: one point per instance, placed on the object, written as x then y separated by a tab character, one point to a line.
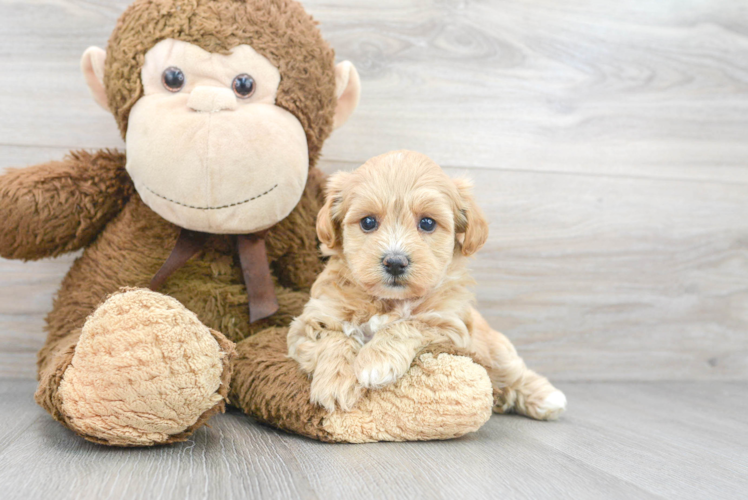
224	106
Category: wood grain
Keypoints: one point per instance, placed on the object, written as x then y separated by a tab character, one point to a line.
647	89
627	279
607	145
619	440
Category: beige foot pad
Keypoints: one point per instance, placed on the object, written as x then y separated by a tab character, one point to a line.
145	371
441	397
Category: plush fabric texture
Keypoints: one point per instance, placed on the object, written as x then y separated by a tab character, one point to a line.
137	242
128	252
74	197
441	396
280	30
92	66
269	386
348	90
444	395
132	247
102	342
144	370
207	160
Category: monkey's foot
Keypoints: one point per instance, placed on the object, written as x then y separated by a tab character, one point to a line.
145	371
442	396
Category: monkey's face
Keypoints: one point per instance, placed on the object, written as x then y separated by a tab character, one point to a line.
207	148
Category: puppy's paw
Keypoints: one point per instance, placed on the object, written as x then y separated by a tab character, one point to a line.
376	368
549	408
336	388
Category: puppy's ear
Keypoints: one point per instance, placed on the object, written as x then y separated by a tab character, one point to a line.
471	226
330	216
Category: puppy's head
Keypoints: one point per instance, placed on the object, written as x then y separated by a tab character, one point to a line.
398	221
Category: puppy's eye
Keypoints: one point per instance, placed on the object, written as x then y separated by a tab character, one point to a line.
427	224
369	224
173	79
244	86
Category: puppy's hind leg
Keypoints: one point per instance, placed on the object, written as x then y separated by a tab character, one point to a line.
516	388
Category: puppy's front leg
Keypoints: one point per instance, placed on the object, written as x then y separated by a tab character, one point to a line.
334	381
327	355
389	354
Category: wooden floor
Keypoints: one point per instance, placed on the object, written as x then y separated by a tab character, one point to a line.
609	145
619	440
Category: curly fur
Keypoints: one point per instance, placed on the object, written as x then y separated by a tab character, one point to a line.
364	326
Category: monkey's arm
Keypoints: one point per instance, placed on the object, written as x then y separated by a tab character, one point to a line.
58	207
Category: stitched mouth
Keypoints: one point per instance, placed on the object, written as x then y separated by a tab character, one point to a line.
211	208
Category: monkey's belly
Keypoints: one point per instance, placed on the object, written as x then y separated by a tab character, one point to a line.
128	253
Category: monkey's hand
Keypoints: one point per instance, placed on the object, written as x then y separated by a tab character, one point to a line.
58	207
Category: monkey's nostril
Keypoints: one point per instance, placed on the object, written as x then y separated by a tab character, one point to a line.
395	265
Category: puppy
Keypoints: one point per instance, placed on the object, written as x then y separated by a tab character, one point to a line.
398	232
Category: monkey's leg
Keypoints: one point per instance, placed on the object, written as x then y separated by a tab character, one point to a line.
444	395
143	370
516	387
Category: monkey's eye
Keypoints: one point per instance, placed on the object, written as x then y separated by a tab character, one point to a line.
369	224
173	79
427	224
244	86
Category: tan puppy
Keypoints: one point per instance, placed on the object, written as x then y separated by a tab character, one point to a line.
398	232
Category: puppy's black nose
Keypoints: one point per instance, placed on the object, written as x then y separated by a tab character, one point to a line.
396	264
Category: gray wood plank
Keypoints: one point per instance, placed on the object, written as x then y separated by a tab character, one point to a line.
631	279
488	464
233	459
646	434
593	278
645	88
17	410
608	147
619	440
22	156
638	90
26	292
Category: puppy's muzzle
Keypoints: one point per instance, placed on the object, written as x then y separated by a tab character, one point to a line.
395	264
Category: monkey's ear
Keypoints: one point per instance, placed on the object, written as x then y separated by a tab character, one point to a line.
348	89
470	223
330	216
92	65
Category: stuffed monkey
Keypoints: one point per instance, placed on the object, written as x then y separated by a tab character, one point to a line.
199	242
